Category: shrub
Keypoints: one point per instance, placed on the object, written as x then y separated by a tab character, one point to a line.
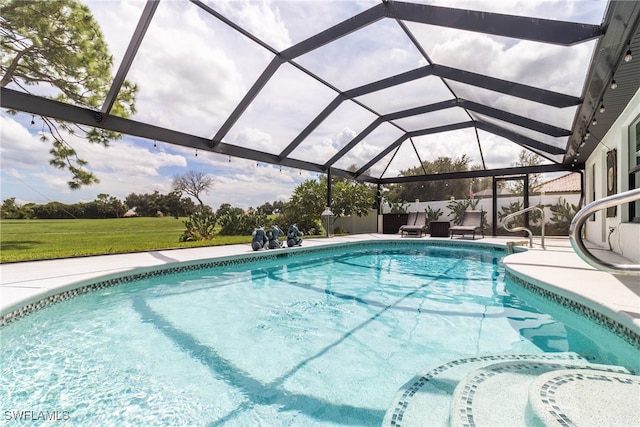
432	215
562	215
458	207
398	207
235	222
199	225
339	230
535	216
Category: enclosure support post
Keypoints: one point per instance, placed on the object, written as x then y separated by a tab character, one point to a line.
329	187
494	200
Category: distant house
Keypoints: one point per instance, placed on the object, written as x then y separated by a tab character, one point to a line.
563	185
502	192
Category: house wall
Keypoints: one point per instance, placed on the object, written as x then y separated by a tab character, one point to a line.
625	236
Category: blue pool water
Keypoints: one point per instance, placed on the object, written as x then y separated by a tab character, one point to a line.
316	339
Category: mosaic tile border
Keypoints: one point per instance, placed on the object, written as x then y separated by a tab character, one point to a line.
471	386
548	391
270	255
601	319
403	402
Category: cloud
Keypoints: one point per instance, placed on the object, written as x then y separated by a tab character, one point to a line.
21	148
255	186
122	168
260	18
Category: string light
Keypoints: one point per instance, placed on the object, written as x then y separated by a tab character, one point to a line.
196	152
602	109
229	159
594	122
614	85
628	56
33	121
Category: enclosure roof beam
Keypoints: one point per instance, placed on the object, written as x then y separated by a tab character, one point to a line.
130	54
515	119
519	139
517	27
400	140
555	167
15	100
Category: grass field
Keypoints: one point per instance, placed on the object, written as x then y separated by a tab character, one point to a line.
27	240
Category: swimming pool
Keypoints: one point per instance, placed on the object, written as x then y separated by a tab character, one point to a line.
324	338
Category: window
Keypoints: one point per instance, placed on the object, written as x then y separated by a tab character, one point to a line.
634	167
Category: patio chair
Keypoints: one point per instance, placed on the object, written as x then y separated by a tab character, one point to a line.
411	221
471	222
418	228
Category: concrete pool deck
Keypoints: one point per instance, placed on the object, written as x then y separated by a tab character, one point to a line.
556	268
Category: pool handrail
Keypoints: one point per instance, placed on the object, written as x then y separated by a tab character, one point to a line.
506	220
575	232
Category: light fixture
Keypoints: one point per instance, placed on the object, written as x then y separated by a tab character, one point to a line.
628	56
229	159
602	109
154	144
583	144
587	135
196	152
594	122
33	121
614	85
578	154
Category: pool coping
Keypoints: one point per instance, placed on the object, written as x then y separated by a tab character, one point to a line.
556	273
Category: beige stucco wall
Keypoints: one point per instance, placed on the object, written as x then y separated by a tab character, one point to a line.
359	225
625	237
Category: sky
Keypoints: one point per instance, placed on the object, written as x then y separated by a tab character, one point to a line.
191	71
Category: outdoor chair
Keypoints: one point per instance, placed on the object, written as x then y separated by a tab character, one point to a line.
471	222
418	228
411	221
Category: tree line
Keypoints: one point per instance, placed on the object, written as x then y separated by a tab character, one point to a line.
307	202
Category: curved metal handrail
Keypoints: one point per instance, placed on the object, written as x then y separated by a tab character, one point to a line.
506	220
575	232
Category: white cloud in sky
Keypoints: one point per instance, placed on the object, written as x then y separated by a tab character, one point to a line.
260	18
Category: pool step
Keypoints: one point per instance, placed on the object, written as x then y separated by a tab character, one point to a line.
510	385
584	397
427	398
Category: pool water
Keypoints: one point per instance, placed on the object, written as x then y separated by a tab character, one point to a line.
317	339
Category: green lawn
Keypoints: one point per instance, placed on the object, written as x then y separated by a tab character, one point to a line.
25	240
